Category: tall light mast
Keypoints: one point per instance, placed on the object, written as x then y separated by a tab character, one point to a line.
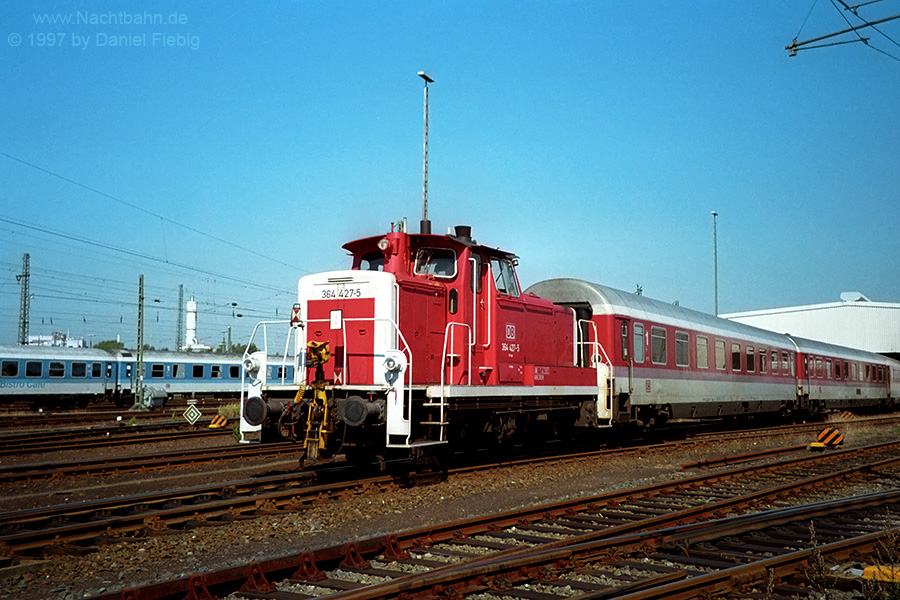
715	265
425	225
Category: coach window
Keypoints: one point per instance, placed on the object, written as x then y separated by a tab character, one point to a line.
846	370
437	262
234	371
638	338
34	368
763	362
157	371
658	345
504	277
97	370
79	369
216	371
784	363
751	359
178	371
774	363
682	349
9	368
56	369
197	372
735	357
827	368
720	355
702	352
837	370
820	371
854	373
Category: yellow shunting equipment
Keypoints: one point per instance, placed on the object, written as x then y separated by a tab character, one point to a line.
882	573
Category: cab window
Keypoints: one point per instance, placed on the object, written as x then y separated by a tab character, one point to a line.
504	277
437	262
373	261
475	284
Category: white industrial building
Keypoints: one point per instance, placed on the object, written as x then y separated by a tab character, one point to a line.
855	321
191	343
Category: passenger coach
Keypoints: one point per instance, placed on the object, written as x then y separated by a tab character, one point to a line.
62	377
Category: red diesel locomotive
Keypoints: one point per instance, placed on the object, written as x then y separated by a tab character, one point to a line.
429	340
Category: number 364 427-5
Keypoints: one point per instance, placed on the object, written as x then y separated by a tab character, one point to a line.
342	293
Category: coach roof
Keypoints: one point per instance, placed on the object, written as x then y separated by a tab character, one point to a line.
605	300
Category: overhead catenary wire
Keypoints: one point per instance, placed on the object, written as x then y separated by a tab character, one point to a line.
796	46
133	253
108	303
145	211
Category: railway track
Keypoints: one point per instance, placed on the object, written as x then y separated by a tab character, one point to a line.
43	442
685	561
518	549
76	527
142	462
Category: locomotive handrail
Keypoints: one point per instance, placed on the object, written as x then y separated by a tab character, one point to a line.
595	343
596	350
490	323
475	274
265	348
449	330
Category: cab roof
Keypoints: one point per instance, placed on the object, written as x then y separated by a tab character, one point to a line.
426	239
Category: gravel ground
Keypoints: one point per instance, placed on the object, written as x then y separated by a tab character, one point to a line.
178	554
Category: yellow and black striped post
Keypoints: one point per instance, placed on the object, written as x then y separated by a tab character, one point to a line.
830	437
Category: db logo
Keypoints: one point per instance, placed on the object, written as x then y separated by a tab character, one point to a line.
510	331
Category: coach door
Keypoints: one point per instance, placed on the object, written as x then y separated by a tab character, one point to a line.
624	353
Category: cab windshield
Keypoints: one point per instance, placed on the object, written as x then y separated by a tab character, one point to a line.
373	261
504	277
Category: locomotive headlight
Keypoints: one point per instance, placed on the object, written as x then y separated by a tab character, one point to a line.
251	364
394	364
384	244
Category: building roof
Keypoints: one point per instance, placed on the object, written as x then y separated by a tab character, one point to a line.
855	321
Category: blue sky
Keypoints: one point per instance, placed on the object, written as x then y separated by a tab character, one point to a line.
591	138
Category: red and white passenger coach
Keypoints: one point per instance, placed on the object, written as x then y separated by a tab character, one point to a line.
429	339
